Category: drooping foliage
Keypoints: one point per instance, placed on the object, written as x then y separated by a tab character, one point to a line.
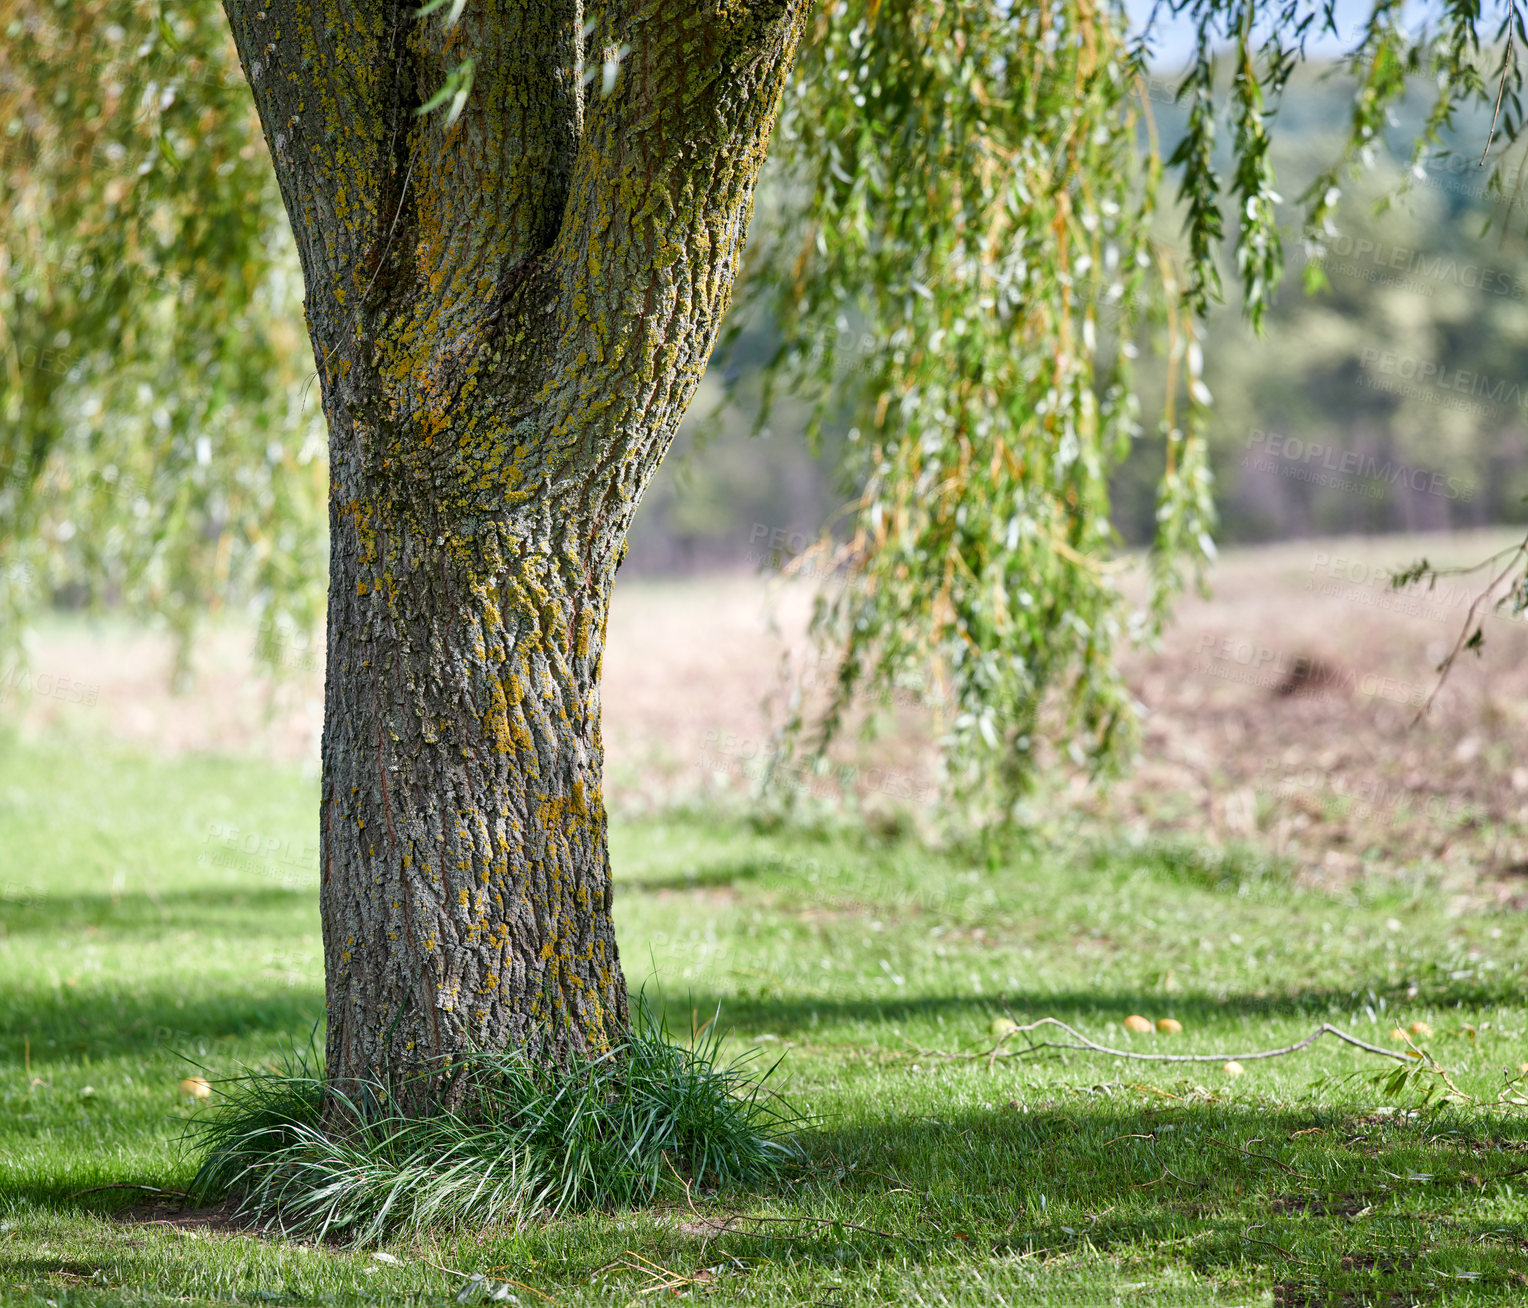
979	244
966	273
157	450
978	258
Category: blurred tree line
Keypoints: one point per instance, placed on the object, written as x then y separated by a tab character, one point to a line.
1395	397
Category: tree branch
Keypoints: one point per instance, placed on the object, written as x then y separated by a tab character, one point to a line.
491	188
657	212
322	74
374	188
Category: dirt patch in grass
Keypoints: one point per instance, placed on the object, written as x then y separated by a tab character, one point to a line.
1292	1294
1283	712
1312	1205
218	1219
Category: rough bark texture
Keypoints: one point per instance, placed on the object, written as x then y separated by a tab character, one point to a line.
510	315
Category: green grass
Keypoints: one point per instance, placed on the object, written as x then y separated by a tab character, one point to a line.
136	936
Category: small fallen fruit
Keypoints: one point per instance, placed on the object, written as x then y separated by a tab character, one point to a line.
1135	1022
1169	1026
1233	1068
1002	1026
1397	1034
196	1087
1522	1069
1420	1029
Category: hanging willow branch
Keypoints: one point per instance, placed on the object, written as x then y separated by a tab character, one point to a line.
967	266
963	254
963	269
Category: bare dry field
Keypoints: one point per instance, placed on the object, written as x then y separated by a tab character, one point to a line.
1281	711
1287	709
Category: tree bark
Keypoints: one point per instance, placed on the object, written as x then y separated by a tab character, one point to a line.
509	315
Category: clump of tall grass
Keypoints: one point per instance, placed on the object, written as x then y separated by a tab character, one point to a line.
608	1131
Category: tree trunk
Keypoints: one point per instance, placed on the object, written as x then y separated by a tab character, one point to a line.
510	314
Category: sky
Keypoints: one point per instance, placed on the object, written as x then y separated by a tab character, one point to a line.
1175	40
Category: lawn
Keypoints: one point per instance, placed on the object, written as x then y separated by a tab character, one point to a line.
158	911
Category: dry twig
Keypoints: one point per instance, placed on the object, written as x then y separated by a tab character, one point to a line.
129	1185
1083	1043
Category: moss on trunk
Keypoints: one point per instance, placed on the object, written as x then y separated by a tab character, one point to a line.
510	314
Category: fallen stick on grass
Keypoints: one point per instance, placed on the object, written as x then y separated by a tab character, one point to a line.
1325	1029
128	1185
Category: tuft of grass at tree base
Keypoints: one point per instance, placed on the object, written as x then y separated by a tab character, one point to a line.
158	923
518	1144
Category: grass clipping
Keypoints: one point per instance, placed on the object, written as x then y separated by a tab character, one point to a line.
610	1131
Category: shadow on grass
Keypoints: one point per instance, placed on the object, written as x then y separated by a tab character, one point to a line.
1320	1201
1328	1206
715	876
797	1015
60	1026
49	914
